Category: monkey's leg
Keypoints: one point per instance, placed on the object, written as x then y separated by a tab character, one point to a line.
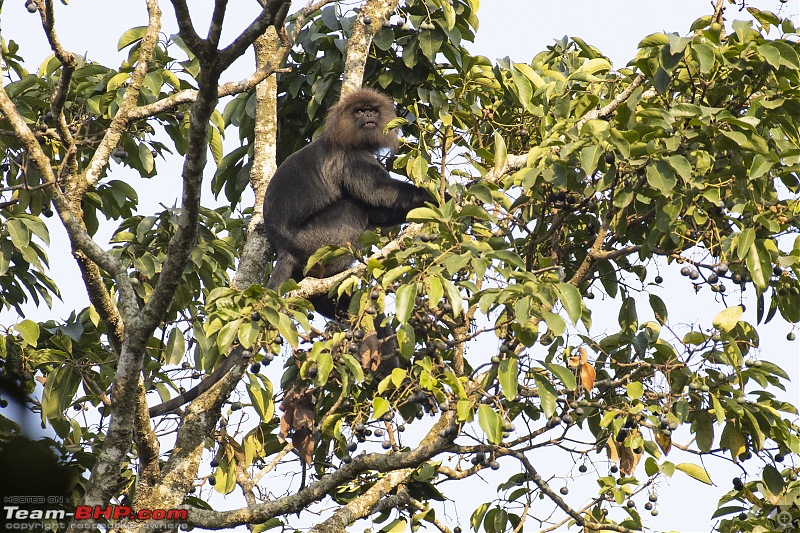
285	268
339	224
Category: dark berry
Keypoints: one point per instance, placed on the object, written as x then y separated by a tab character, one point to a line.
256	316
582	469
659	280
564	491
367	20
255	368
737	483
212	480
214	463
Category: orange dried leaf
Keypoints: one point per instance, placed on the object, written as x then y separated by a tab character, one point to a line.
588	375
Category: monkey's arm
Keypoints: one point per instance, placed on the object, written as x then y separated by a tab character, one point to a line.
387	200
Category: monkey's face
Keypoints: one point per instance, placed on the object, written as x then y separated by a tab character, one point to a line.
358	120
368	123
367	118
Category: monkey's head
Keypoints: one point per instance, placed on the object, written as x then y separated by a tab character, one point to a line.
358	120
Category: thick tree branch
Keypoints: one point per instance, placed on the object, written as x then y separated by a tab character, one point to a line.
121	120
186	28
376	11
273	13
254	257
217	18
363	505
431	445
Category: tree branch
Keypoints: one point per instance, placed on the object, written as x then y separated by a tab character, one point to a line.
121	120
273	14
431	445
362	505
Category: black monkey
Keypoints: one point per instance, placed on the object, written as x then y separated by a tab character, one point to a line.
333	189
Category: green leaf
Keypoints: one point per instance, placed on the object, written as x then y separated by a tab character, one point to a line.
727	319
18	231
324	367
635	390
29	331
430	41
500	152
571	299
759	265
661	176
695	471
704	55
681	166
379	407
745	241
760	166
131	36
562	373
404	304
507	375
227	334
490	423
659	308
261	398
773	480
176	347
704	431
547	394
771	53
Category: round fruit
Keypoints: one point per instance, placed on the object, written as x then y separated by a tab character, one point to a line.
779	457
456	529
614	469
367	20
610	157
564	491
256	316
119	153
685	271
567	419
236	406
659	280
214	463
386	444
654	512
791	336
694	274
47	212
352	447
31	7
631	504
347	459
495	360
212	480
255	368
721	268
648	506
582	469
494	465
712	278
737	483
653	497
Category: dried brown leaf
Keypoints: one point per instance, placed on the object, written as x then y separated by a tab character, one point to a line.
369	348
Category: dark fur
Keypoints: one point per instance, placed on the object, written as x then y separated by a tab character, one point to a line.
332	190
